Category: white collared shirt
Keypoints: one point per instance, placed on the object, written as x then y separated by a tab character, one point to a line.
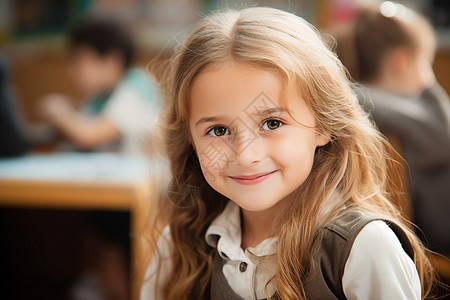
388	272
224	233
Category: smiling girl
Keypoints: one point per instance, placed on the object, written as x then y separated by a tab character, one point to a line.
279	186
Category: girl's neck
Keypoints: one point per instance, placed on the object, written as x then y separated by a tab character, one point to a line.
258	226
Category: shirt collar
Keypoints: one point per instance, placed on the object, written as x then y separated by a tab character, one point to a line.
225	234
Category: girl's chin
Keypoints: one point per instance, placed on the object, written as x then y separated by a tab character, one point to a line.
256	205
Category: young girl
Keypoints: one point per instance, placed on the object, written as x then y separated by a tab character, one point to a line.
279	183
390	50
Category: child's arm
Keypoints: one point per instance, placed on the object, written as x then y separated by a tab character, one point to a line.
379	268
85	132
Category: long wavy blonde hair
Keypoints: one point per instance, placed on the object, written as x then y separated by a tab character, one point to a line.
351	170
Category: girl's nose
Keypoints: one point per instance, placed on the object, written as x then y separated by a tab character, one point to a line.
248	148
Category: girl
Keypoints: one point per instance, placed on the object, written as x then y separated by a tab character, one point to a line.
279	183
390	50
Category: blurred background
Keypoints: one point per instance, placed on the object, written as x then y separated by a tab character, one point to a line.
32	33
67	220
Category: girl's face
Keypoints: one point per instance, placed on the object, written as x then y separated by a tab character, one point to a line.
250	148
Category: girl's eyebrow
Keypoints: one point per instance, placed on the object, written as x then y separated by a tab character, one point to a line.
209	119
269	111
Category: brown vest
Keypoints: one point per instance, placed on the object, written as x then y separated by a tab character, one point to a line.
328	266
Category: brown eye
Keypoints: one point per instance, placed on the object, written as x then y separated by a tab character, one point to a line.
218	131
271	124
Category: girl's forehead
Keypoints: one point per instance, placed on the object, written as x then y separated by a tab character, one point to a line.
237	90
233	83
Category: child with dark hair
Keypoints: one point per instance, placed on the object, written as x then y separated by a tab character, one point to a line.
390	50
103	36
122	101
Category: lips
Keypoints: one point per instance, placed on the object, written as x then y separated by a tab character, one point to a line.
252	179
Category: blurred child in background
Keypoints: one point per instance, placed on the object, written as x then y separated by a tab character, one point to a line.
390	50
121	101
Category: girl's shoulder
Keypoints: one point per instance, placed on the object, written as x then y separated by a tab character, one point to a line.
338	236
378	256
343	230
164	246
159	267
359	246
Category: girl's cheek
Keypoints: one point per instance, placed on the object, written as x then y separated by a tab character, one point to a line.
214	158
283	148
294	145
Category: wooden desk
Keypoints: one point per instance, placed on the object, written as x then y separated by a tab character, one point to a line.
81	181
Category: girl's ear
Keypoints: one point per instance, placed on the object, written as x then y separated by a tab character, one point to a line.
322	139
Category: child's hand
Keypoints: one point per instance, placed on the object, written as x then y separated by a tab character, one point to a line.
55	105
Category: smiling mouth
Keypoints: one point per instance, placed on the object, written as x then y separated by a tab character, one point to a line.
252	179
